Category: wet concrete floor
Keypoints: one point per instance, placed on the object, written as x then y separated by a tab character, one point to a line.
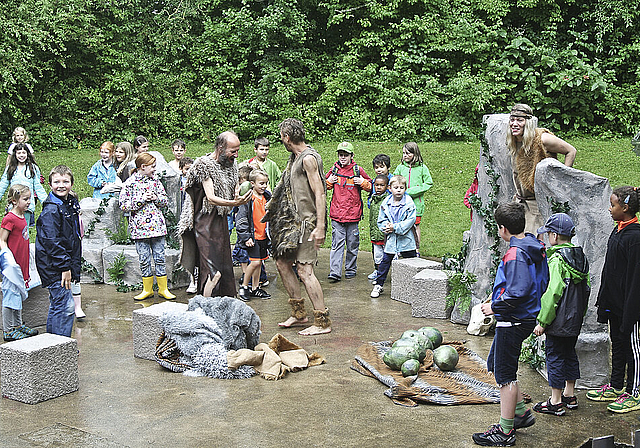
125	401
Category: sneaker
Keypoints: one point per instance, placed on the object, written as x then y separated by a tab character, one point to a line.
244	294
625	403
570	402
373	275
348	276
193	288
334	278
545	407
377	289
264	283
26	330
260	294
605	393
13	335
495	437
524	421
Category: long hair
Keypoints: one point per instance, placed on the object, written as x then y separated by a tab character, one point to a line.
522	110
129	154
30	163
412	147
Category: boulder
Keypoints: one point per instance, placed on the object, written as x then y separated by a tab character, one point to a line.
101	218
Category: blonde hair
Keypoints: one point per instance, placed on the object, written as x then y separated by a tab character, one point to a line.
529	130
398	179
253	175
144	159
15	193
22	131
129	155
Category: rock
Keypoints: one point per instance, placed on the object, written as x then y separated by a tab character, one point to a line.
92	254
403	271
101	218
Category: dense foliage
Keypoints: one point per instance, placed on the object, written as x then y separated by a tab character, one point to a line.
78	71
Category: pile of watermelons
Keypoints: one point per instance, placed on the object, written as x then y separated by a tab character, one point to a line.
407	353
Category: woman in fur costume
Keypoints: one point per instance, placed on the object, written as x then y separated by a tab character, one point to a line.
529	145
211	186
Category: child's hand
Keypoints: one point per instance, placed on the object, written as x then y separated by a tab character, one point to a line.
388	228
150	196
539	330
486	309
65	282
249	243
358	180
332	179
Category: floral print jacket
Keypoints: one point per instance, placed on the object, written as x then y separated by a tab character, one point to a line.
146	220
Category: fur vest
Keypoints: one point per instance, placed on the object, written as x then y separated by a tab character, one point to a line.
224	181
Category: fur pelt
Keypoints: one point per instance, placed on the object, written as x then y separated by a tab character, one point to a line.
224	181
285	225
297	308
321	318
526	163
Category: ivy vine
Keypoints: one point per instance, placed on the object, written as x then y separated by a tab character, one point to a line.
91	225
91	270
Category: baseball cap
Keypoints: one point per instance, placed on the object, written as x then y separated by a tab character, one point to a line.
560	223
346	147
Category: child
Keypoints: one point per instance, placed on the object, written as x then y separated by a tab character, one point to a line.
178	148
124	155
141	144
261	160
347	181
418	178
103	171
252	234
381	166
239	255
143	195
563	307
471	191
19	136
618	303
521	280
14	237
23	170
59	249
396	220
380	184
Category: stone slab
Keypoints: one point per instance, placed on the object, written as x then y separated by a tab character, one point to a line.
429	289
92	254
176	276
402	272
106	219
146	327
39	368
593	351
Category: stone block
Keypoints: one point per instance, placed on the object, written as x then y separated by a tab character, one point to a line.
146	327
429	289
92	254
103	219
402	272
593	351
39	368
132	273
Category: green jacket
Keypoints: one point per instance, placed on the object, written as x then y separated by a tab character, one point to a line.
374	211
418	182
559	271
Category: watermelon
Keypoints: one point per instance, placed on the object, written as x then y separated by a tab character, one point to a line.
420	338
410	367
244	187
433	334
446	357
409	342
396	356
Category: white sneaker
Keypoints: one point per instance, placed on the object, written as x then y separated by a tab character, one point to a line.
193	287
373	275
376	291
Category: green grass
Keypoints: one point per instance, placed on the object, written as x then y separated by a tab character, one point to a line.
451	164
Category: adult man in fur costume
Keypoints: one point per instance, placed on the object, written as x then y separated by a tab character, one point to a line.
297	216
212	191
528	146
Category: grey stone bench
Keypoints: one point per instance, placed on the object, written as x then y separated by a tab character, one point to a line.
39	368
146	327
429	290
403	270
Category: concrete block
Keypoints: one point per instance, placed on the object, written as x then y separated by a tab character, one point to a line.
39	368
593	351
92	253
35	308
107	218
402	272
429	289
146	327
132	273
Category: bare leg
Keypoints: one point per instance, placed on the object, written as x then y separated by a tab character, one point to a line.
556	396
250	274
509	397
292	285
569	388
314	290
210	284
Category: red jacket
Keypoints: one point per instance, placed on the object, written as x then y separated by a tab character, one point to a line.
346	203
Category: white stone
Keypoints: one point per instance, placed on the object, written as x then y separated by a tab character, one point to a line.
147	329
429	289
403	271
92	254
39	368
108	220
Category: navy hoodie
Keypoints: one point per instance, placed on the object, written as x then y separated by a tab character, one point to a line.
522	278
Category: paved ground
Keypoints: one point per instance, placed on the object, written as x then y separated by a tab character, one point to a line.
124	401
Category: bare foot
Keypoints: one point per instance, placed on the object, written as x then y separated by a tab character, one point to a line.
293	322
313	330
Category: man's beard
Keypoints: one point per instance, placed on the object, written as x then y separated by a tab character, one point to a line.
225	160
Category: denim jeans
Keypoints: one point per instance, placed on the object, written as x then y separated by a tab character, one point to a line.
61	310
378	253
344	234
145	248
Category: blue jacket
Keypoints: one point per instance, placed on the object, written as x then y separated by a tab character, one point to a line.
98	175
244	222
58	244
402	238
522	278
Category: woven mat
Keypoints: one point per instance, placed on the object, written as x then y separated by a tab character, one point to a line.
469	383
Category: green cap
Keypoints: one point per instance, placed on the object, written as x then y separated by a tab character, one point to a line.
346	147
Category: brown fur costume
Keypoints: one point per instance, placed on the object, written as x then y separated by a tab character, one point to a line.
297	308
526	162
321	318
